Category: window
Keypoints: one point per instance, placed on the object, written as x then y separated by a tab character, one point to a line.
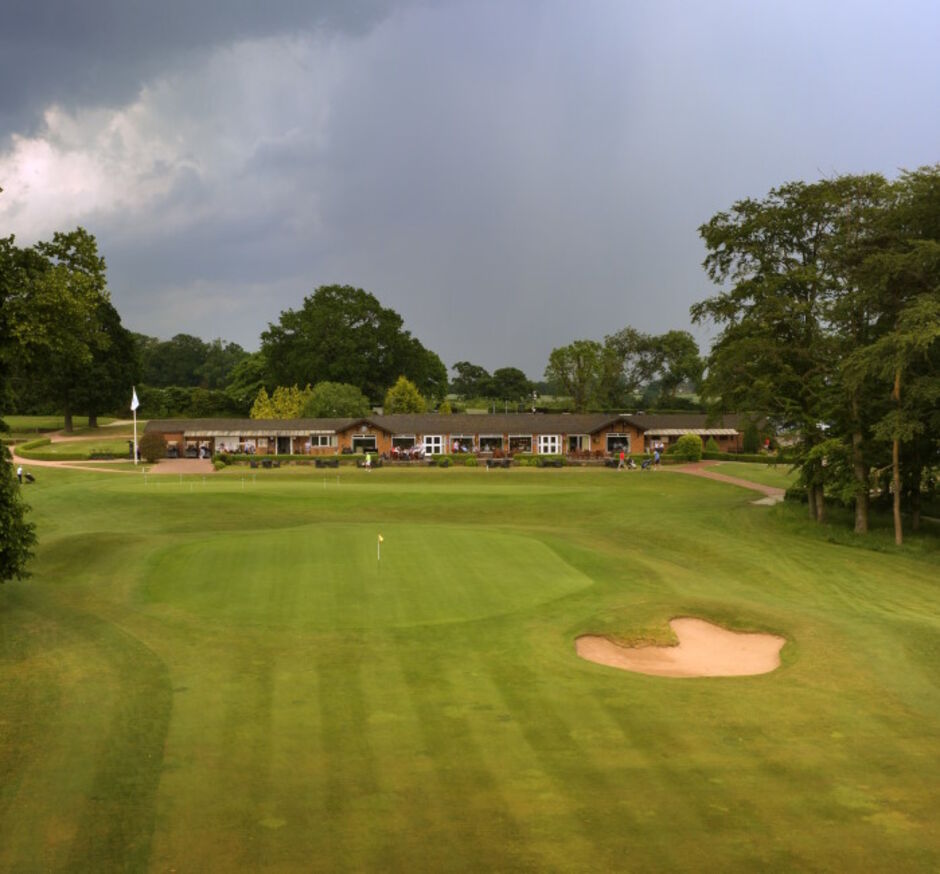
433	444
489	442
520	442
618	442
461	443
364	443
578	442
549	444
322	439
403	442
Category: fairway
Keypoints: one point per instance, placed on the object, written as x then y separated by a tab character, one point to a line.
219	673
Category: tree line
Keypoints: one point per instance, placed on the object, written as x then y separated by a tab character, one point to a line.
829	318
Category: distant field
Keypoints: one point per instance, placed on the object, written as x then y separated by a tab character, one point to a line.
219	674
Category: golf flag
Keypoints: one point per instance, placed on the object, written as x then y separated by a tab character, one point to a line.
381	539
378	548
134	402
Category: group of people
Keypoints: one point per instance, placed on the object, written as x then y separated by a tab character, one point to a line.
626	463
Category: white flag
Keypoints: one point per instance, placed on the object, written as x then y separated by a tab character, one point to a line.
134	402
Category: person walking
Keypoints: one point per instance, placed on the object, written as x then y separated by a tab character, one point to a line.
623	463
655	459
19	473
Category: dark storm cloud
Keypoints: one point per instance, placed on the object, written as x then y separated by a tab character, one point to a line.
508	176
102	51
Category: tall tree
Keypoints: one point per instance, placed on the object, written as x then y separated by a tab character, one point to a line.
471	380
510	384
575	370
17	536
106	382
220	360
773	353
343	334
54	309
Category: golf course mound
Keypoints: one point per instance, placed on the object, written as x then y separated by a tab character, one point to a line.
704	650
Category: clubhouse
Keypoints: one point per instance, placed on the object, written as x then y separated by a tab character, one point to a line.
590	435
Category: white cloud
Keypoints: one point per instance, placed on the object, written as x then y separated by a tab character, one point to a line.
184	151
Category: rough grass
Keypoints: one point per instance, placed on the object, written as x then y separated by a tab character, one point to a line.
216	675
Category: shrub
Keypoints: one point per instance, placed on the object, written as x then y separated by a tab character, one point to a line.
688	448
711	445
443	462
152	446
471	461
218	463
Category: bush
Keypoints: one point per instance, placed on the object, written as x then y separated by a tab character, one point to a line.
471	461
152	446
218	463
443	461
688	448
711	445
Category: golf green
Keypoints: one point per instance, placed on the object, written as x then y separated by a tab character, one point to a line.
340	576
222	673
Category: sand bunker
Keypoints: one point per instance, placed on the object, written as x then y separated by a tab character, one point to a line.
704	650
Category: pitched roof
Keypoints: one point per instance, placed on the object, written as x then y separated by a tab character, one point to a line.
457	423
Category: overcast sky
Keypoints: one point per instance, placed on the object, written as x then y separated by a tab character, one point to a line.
509	176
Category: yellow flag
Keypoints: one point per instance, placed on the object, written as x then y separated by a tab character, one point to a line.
381	539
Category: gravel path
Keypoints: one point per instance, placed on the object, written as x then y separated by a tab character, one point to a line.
701	468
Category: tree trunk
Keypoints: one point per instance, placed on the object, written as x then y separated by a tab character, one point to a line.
896	466
811	501
915	500
820	504
68	416
92	420
861	471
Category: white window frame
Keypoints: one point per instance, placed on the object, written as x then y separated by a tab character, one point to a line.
320	440
434	444
549	444
399	437
498	437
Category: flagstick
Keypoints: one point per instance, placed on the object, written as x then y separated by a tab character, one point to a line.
135	437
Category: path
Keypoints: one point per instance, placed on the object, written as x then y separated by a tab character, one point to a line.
772	494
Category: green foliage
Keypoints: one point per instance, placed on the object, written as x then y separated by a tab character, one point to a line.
470	461
575	371
828	314
510	384
336	399
245	380
17	536
688	447
750	438
285	403
471	380
711	445
152	446
404	397
176	401
445	409
343	334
